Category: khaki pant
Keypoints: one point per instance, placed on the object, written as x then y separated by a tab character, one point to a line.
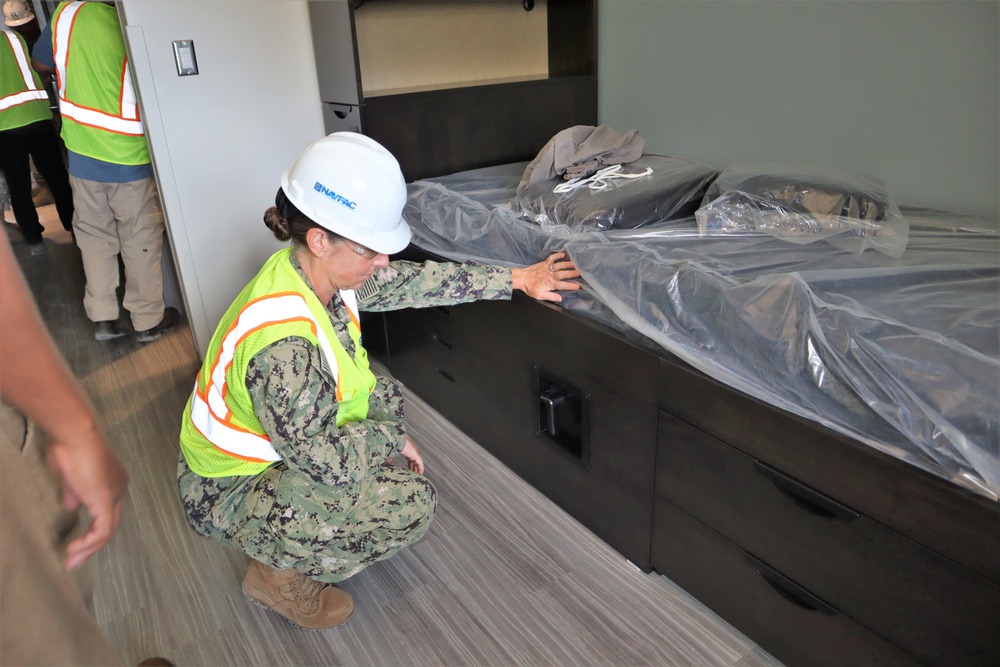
44	610
126	219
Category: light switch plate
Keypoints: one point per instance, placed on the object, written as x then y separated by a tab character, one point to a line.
187	63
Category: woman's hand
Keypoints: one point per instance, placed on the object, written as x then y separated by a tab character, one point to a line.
410	453
542	280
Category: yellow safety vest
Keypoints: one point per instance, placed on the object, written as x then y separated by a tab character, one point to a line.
220	433
23	100
96	97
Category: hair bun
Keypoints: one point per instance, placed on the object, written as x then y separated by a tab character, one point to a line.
277	223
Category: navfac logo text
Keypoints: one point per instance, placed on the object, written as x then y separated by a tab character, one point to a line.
319	187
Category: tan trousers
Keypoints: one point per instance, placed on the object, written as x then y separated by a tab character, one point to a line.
44	610
126	219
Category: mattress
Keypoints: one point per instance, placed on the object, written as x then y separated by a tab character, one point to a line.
900	353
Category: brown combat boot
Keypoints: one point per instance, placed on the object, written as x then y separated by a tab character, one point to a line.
302	601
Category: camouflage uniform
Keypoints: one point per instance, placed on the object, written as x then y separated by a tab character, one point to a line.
333	505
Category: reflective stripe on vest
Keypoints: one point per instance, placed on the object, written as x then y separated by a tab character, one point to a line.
32	92
209	412
127	120
350	299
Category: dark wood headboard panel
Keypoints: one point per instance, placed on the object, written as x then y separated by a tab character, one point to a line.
440	132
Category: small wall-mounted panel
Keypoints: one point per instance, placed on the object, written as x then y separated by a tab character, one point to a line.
184	57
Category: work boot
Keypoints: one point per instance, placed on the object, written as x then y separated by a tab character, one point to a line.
167	322
108	330
302	601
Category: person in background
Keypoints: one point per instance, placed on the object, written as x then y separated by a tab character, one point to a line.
20	15
114	193
27	132
288	438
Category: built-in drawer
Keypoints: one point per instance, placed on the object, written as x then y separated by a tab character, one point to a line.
426	325
957	523
936	610
423	354
429	330
794	624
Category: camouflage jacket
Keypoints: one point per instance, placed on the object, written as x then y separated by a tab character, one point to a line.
295	399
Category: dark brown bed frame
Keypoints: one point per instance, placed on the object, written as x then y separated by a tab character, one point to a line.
821	549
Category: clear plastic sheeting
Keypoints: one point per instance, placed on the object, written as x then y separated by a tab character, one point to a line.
803	205
902	354
672	187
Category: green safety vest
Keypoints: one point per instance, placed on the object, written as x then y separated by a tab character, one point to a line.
100	116
23	100
220	433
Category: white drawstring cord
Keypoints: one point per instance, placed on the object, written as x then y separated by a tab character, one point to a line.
600	180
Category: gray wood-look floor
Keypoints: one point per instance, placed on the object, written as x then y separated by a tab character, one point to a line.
503	577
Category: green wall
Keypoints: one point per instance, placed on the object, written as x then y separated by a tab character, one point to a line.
907	91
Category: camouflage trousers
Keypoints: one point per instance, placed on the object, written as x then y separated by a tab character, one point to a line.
286	520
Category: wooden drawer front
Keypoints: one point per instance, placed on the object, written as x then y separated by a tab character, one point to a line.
425	330
422	353
793	624
931	607
954	522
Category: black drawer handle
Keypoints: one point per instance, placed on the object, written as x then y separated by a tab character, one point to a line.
447	377
549	401
788	589
441	341
805	497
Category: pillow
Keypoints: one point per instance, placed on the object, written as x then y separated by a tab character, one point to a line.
803	205
672	189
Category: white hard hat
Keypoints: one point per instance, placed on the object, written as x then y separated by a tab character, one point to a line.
350	184
17	12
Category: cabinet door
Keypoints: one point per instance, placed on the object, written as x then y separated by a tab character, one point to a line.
496	349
